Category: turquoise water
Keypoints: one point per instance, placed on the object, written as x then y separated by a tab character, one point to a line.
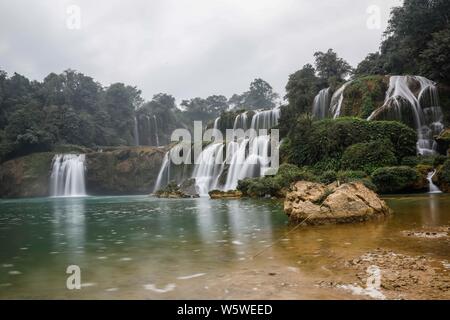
143	247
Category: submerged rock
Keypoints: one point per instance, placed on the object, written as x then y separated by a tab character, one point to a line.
315	203
231	194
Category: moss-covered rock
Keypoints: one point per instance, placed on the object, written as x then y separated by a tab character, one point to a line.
130	170
231	194
26	176
443	177
364	95
443	142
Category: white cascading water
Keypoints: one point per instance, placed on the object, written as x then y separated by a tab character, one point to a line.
432	187
417	97
156	130
321	104
247	157
67	177
136	132
336	101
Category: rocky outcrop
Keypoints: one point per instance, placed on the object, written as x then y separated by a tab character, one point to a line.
173	191
127	170
26	176
232	194
315	203
443	142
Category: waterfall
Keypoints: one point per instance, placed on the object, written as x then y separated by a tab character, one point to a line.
414	100
136	132
432	187
216	123
246	157
241	121
156	131
337	99
67	177
164	173
321	104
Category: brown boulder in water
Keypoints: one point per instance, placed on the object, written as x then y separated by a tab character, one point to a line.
315	203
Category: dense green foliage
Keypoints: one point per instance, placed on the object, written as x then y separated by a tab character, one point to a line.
364	95
322	143
274	185
395	179
368	156
71	108
417	41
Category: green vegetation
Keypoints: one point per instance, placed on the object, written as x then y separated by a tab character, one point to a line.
368	156
321	144
277	185
395	179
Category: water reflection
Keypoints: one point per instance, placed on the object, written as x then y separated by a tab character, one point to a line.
69	223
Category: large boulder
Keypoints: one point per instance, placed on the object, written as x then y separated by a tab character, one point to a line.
315	203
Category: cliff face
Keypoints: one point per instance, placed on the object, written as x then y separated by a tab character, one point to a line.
123	171
115	171
26	176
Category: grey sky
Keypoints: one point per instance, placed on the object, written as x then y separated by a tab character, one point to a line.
187	48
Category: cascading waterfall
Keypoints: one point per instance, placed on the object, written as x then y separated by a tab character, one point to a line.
336	101
156	130
136	132
321	104
246	157
164	173
432	187
414	100
67	177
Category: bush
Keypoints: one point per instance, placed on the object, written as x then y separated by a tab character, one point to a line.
273	185
328	177
351	176
432	161
368	156
321	144
395	179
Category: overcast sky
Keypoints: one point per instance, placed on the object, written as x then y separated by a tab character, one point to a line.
187	48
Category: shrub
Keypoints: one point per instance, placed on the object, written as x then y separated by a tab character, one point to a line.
350	176
321	144
368	156
395	179
328	177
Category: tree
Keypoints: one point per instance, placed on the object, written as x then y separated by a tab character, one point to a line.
259	96
330	67
301	89
436	58
373	64
411	29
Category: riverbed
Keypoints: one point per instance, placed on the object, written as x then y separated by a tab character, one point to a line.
140	247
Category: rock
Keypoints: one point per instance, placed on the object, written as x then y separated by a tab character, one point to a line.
315	203
443	141
231	194
189	188
125	170
174	191
26	176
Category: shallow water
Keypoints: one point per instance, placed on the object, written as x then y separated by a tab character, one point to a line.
143	247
